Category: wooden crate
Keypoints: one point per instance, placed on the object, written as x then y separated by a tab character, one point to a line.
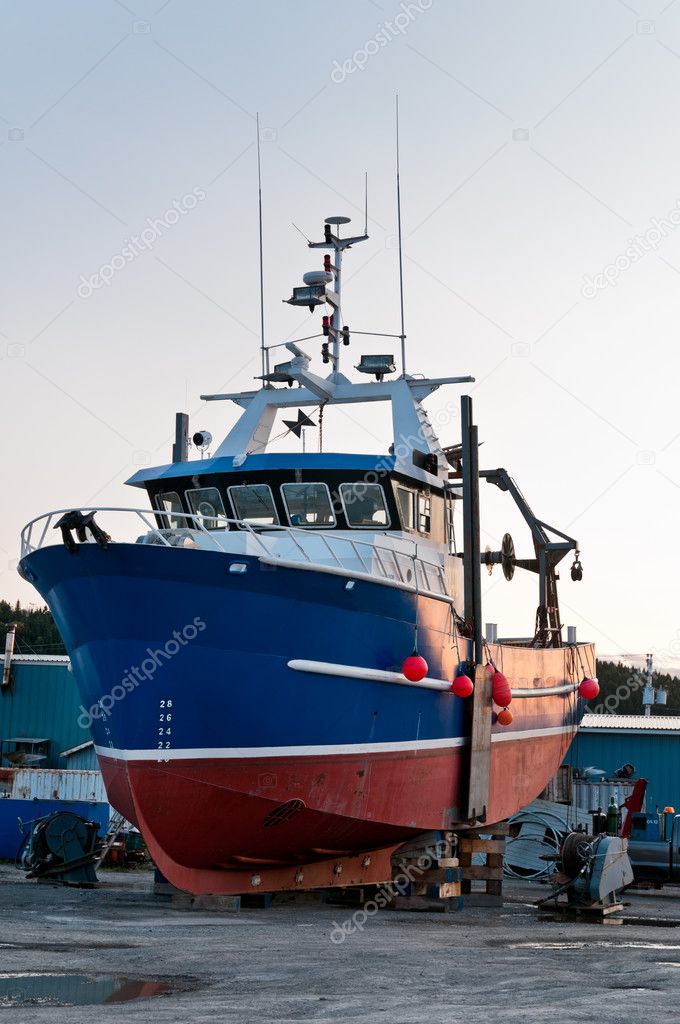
489	840
433	886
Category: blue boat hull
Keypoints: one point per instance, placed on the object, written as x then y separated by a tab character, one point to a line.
223	755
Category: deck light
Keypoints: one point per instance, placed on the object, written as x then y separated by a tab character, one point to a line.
378	365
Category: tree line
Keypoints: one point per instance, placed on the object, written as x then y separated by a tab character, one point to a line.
621	690
36	632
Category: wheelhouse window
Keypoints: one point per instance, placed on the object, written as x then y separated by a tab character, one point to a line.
308	504
254	503
207	505
364	505
171	503
406	503
450	524
424	513
415	510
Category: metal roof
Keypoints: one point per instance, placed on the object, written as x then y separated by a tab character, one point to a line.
76	750
41	659
273	461
26	739
630	723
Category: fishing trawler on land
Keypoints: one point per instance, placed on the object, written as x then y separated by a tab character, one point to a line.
284	665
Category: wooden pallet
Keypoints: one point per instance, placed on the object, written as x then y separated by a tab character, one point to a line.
488	840
596	912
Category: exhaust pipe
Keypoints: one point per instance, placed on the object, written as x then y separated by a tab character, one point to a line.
9	651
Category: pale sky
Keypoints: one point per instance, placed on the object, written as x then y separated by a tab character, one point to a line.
537	140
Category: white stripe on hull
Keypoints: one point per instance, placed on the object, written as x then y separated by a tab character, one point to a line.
328	750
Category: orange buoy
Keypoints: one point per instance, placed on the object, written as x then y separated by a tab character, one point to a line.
504	717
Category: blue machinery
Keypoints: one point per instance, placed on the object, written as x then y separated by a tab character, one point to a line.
61	847
596	869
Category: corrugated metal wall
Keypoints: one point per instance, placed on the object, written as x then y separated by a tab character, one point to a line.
46	784
656	758
83	760
592	795
43	701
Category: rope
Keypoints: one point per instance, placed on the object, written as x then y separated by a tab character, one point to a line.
586	671
454	634
415	576
555	828
488	654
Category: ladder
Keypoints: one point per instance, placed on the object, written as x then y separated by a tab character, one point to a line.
116	823
429	435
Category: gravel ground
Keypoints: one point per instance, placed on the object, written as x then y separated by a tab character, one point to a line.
281	964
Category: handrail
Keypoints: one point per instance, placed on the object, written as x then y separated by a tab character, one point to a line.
372	563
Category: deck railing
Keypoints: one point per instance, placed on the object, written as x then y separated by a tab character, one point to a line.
289	545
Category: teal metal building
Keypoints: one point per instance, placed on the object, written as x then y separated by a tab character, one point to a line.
47	759
41	703
652	744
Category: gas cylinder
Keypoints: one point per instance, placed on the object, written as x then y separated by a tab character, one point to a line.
612	818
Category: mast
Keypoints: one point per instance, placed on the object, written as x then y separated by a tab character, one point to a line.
471	542
649	685
259	204
336	316
401	265
330	290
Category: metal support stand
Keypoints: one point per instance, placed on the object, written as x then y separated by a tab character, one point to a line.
480	734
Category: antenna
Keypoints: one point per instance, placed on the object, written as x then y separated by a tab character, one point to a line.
307	240
365	202
259	201
401	266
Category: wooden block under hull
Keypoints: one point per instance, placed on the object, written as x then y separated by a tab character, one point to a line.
426	903
596	911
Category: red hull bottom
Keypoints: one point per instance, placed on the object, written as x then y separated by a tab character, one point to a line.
232	826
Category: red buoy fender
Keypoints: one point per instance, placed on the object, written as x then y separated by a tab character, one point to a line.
414	668
501	692
462	686
589	689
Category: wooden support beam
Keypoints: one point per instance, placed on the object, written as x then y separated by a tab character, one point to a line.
482	872
480	747
489	846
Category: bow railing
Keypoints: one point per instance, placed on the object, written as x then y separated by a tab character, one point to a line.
398	563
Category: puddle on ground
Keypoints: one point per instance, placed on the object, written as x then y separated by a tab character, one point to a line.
66	947
33	988
644	922
590	945
632	988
